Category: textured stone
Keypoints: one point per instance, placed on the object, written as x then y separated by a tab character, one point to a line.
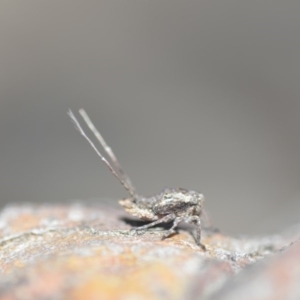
87	252
274	278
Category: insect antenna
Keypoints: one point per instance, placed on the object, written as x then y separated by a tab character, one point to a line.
119	174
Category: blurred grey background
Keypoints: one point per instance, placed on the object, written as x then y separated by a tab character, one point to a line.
197	94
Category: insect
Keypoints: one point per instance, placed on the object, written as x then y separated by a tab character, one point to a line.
172	204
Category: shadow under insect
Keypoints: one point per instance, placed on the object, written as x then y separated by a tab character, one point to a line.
139	223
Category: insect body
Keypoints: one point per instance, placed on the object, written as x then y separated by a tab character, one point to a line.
177	205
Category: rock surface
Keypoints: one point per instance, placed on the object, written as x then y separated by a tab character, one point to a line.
87	252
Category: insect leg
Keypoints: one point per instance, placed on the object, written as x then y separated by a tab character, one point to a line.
196	220
164	219
175	224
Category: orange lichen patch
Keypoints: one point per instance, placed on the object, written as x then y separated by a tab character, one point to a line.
77	252
144	283
24	222
15	220
92	263
45	286
181	236
19	264
109	288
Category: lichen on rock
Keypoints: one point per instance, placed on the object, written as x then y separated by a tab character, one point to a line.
81	251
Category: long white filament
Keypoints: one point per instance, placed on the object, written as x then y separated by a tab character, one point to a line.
123	178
